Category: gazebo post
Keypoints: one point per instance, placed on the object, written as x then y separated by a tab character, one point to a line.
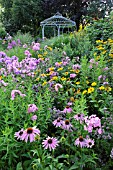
58	31
43	32
54	31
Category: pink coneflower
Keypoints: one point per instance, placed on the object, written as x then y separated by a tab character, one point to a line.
50	143
30	133
32	108
80	117
66	124
80	142
58	122
19	134
57	86
14	92
34	117
67	109
89	143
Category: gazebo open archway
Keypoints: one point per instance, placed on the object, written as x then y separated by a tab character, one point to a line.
57	21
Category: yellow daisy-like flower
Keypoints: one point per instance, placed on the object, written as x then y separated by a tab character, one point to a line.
87	82
51	68
103	52
54	78
59	69
84	92
41	59
44	83
63	78
90	90
40	55
100	48
77	71
43	75
49	48
101	88
45	53
108	89
38	79
111	55
78	91
97	57
0	77
78	82
94	84
66	73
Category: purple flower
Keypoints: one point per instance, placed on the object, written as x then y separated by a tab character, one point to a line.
32	108
36	47
57	86
18	134
89	143
67	109
30	133
76	66
72	75
66	124
34	117
14	92
79	117
50	143
80	142
58	122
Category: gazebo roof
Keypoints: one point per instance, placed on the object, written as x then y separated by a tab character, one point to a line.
58	20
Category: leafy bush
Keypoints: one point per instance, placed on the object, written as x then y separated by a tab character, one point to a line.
2	32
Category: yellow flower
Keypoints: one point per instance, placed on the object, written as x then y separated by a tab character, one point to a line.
104	52
49	48
44	83
72	99
63	79
51	68
100	48
97	57
90	90
87	82
43	75
37	79
111	55
94	84
77	82
99	41
84	92
40	55
78	91
101	88
108	89
0	77
59	69
54	78
41	59
45	53
77	71
66	73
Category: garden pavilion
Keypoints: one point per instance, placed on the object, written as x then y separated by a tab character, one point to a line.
57	21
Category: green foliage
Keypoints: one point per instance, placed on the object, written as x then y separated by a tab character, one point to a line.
2	32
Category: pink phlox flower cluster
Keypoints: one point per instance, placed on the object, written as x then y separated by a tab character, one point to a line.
34	117
14	92
27	53
32	108
29	133
72	75
50	143
36	46
65	61
92	122
92	62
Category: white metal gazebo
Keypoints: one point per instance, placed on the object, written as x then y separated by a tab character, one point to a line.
57	21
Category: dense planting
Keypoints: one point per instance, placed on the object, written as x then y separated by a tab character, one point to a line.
56	103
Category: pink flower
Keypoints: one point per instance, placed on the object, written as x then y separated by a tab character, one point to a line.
58	122
14	92
27	53
30	133
50	143
68	109
79	117
80	142
36	47
66	124
18	134
34	117
89	143
57	86
32	108
72	75
3	83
